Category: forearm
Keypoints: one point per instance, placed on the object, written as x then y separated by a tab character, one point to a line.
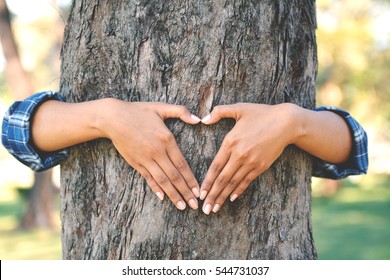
137	131
323	134
57	125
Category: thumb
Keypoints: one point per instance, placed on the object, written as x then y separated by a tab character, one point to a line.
222	112
168	111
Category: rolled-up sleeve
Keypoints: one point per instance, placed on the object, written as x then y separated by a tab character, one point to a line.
16	133
358	161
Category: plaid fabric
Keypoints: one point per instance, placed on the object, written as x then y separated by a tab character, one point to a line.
358	161
15	134
16	139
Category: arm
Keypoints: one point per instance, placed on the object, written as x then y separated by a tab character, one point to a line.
136	129
57	125
357	163
322	134
16	133
259	137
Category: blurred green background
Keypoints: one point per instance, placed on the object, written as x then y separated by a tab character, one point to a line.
351	217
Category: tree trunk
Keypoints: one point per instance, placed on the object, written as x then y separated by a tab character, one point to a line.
41	203
198	54
40	206
18	80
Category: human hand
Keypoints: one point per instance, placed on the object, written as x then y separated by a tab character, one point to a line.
140	135
258	138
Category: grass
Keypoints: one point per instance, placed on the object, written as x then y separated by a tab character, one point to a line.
17	244
30	245
352	224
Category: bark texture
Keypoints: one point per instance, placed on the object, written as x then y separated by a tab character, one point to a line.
198	54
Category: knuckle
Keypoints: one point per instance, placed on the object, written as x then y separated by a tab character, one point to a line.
168	137
221	182
258	164
165	136
244	153
181	165
148	179
233	183
175	177
246	184
216	167
248	180
231	140
151	149
250	162
186	193
262	166
162	180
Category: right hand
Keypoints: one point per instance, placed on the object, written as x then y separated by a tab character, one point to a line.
140	135
258	138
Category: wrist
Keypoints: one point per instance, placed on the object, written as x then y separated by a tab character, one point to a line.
102	112
296	122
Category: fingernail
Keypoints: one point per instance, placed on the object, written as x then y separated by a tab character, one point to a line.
216	208
193	203
195	118
203	195
233	197
181	205
206	118
160	196
207	209
195	191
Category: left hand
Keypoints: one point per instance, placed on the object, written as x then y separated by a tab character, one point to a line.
258	138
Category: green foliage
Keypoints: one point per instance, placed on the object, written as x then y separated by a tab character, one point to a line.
354	54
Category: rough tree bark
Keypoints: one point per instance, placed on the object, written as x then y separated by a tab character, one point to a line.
198	54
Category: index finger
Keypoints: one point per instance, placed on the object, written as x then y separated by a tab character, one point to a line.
221	112
182	166
215	169
167	111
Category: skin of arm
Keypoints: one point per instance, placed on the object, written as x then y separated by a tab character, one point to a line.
139	134
136	129
259	137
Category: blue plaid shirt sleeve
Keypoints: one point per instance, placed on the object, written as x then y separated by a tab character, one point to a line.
357	162
16	139
16	135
